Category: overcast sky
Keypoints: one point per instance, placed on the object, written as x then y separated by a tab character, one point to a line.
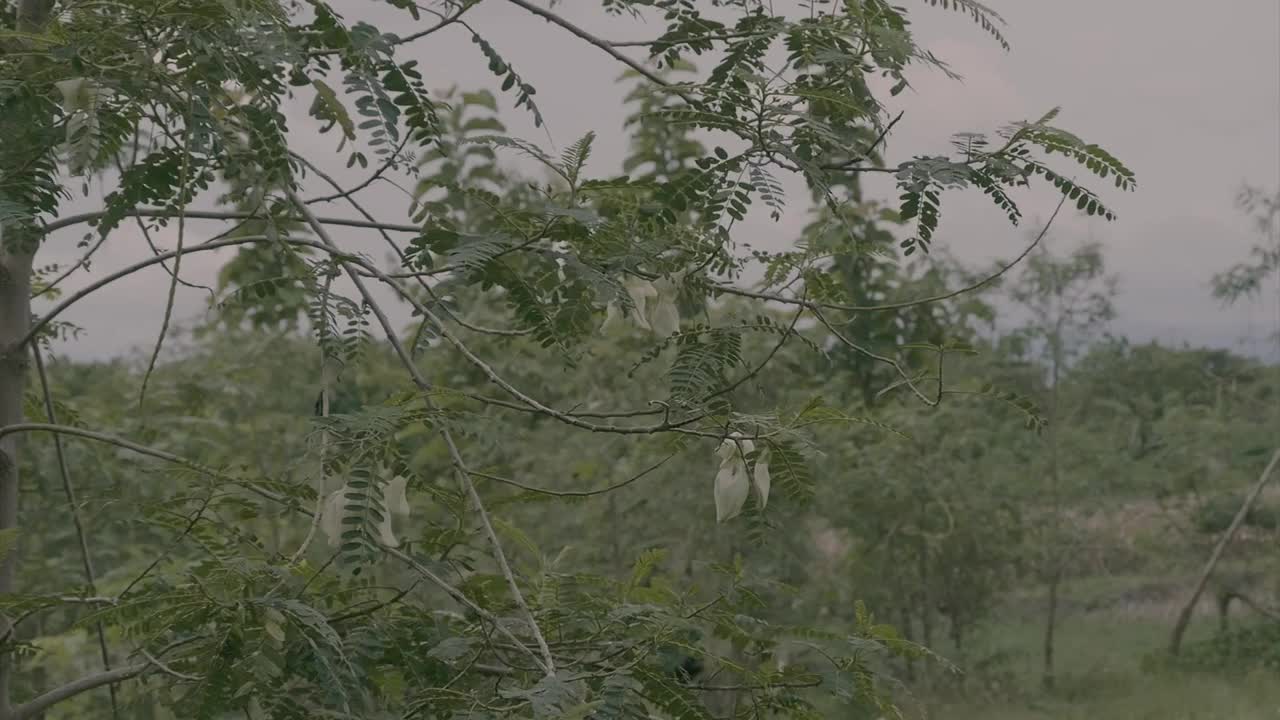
1185	93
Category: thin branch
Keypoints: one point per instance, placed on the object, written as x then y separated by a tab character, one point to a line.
146	235
82	262
603	45
400	253
135	447
527	403
897	367
452	591
324	433
1184	615
884	132
362	612
86	559
33	708
574	493
729	289
791	331
813	682
444	23
36	707
686	41
220	215
460	466
38	324
177	267
391	160
462	599
166	669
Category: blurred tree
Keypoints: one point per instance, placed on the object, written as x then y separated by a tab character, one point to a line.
1069	301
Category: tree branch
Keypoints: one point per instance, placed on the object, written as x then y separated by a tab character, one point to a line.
221	215
33	708
526	403
1184	616
729	289
460	467
73	507
135	447
603	45
573	493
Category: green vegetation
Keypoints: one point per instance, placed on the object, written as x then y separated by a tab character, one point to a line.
618	464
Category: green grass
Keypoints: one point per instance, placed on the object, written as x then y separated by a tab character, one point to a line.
1099	673
1139	697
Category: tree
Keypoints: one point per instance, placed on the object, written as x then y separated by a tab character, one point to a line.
1245	280
1068	300
249	628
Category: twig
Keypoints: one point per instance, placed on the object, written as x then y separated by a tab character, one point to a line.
82	262
177	266
791	330
452	591
897	367
884	132
574	493
400	253
324	433
686	41
368	181
729	289
467	602
352	614
813	682
603	45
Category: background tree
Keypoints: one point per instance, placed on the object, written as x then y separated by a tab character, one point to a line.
1068	300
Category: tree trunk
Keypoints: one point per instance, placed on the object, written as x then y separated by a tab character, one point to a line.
957	635
1184	617
15	318
1048	678
904	614
1053	558
925	605
17	254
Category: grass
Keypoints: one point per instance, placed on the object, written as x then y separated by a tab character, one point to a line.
1139	697
1100	673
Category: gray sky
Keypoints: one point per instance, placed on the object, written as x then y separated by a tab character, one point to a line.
1185	93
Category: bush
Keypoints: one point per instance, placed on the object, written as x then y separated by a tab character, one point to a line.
1215	515
1237	651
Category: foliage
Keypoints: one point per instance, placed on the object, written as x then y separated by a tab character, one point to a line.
251	449
1245	279
1237	651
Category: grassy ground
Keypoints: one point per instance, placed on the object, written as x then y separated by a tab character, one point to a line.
1100	674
